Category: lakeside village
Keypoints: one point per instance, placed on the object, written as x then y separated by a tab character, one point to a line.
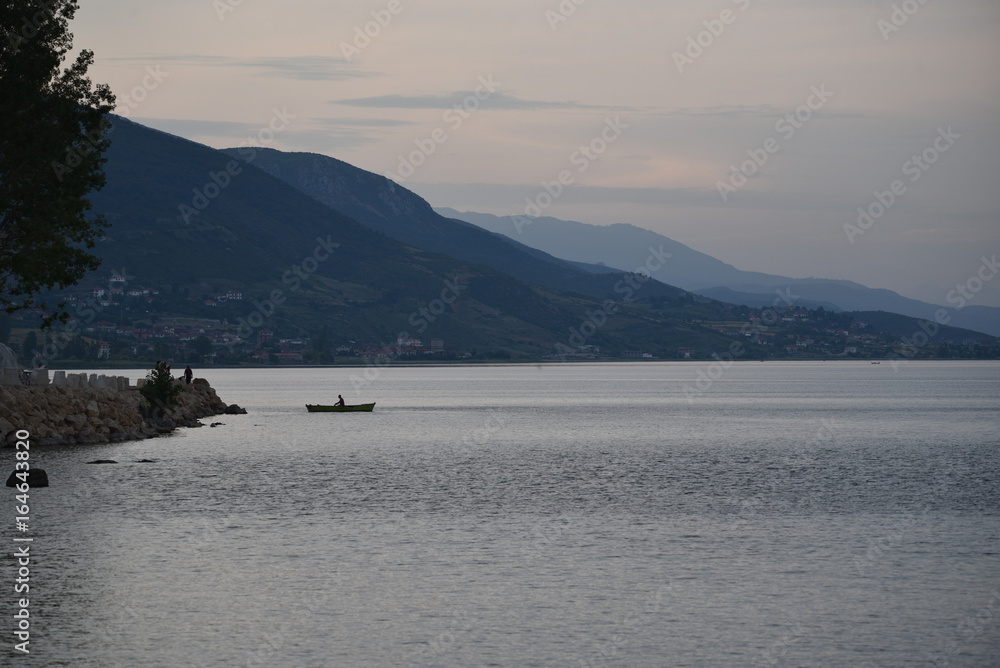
124	324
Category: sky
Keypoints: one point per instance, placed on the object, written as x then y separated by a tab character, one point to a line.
848	139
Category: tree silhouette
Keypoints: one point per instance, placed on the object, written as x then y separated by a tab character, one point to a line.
53	127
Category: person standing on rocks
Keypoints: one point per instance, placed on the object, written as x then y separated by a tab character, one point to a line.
188	374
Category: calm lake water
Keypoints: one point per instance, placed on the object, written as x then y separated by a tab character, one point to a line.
778	514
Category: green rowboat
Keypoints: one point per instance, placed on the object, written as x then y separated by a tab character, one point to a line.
314	408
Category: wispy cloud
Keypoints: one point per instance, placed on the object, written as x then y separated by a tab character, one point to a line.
306	68
497	101
310	68
192	127
358	122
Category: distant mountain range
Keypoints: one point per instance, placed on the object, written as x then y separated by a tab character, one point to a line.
306	246
624	246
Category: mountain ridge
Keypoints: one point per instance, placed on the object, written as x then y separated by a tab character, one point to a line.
191	221
620	243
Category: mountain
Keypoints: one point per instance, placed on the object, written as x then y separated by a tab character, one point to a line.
377	202
190	222
623	246
208	254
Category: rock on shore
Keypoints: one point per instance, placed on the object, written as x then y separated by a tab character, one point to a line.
57	414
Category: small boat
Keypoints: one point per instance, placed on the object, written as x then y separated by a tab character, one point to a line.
316	408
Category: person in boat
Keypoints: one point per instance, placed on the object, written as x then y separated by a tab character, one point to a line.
340	400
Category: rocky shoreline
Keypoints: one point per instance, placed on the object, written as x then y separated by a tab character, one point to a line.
108	410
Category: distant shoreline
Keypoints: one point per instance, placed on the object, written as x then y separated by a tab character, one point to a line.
524	362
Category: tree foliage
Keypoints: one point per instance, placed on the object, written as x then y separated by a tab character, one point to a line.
53	126
160	390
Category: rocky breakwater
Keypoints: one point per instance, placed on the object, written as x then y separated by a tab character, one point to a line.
75	408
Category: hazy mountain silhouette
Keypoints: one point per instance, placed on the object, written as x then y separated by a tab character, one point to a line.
623	246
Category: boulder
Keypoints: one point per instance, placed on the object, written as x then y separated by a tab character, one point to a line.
233	409
36	478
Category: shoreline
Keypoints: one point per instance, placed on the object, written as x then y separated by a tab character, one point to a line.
527	362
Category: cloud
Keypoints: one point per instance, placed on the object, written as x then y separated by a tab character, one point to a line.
191	127
496	101
359	122
310	68
304	68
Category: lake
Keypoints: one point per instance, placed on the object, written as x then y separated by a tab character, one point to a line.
636	514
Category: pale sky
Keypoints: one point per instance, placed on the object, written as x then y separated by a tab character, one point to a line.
683	92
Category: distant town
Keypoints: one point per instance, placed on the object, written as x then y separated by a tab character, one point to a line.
119	322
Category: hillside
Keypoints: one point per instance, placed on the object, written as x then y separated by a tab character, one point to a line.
384	206
209	258
189	223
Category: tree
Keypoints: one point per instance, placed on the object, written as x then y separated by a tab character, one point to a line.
160	390
53	136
